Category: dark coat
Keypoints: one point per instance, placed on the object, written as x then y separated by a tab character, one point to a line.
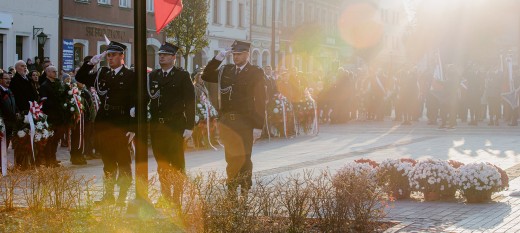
8	108
23	92
50	97
176	102
247	95
120	94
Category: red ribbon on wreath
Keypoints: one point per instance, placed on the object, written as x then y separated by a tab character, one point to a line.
36	109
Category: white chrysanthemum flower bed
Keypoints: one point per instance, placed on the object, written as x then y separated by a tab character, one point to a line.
480	177
432	175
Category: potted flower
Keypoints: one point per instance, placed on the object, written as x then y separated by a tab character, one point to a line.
478	181
393	175
449	193
432	177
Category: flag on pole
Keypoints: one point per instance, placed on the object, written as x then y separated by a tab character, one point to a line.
165	12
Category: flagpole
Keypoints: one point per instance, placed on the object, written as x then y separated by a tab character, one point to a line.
141	144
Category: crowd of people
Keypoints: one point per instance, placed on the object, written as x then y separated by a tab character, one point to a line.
216	105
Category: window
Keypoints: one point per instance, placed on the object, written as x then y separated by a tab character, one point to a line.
105	2
264	13
215	11
265	58
101	49
19	47
78	54
229	13
150	56
255	58
124	3
149	5
255	11
241	15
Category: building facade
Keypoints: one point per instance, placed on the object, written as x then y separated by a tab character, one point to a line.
228	20
21	22
87	22
305	35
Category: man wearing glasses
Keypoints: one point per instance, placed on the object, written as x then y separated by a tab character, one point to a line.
7	106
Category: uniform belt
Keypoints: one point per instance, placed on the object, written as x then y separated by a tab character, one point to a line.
109	107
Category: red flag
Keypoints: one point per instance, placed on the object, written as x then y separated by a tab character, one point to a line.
165	12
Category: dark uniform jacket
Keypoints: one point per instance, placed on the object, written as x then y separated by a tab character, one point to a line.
50	96
7	108
23	92
240	94
120	97
176	104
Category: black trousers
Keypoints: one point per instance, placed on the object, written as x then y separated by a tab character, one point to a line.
113	146
79	140
236	133
48	156
168	150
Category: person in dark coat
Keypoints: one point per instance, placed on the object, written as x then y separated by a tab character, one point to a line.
172	109
22	88
7	107
242	111
23	94
115	121
50	92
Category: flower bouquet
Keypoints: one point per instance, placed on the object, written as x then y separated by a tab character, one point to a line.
32	135
432	177
278	111
393	175
478	181
72	103
307	114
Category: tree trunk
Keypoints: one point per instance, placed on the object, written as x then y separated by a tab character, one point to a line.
186	56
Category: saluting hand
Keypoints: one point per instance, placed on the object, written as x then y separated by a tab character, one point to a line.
96	59
223	54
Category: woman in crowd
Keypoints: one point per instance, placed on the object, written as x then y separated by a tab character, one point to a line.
34	75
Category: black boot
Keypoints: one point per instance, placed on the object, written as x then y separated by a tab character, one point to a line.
108	196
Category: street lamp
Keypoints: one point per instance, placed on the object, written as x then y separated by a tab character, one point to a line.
42	38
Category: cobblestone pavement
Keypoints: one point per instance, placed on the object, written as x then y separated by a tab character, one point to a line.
338	144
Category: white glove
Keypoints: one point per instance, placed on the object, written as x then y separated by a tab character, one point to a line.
132	112
223	54
187	133
96	59
257	133
130	136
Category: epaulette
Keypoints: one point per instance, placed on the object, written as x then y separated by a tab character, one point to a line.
229	65
178	68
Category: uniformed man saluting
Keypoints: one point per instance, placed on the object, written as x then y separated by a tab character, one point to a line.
242	104
172	108
115	121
